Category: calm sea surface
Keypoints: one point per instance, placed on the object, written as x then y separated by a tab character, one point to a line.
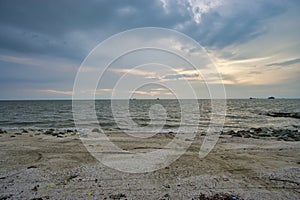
240	114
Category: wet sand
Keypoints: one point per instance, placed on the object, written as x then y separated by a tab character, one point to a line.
38	165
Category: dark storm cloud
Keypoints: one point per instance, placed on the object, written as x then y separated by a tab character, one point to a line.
72	28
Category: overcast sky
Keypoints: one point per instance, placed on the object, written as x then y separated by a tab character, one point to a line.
254	44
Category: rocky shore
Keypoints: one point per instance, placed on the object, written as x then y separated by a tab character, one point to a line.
267	133
256	133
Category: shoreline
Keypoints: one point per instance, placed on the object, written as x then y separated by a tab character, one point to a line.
58	166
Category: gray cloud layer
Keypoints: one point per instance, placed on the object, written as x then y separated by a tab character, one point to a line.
63	32
70	28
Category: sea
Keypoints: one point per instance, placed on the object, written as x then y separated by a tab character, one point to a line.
240	114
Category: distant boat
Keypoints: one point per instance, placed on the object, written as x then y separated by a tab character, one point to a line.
157	98
271	97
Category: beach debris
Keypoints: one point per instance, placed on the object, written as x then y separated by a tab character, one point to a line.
218	196
71	176
96	130
117	196
165	197
90	193
31	167
35	188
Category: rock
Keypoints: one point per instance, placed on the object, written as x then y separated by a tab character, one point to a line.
231	132
297	139
117	196
24	131
165	197
252	130
96	130
35	188
2	131
289	139
54	134
238	134
60	136
264	134
69	131
257	130
48	132
247	135
283	137
73	175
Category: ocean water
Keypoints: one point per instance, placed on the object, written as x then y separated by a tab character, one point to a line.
161	115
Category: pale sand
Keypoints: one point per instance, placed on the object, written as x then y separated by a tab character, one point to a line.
34	165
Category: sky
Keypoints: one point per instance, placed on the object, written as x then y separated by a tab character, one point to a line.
254	45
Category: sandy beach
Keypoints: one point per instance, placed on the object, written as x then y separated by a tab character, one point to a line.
35	165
